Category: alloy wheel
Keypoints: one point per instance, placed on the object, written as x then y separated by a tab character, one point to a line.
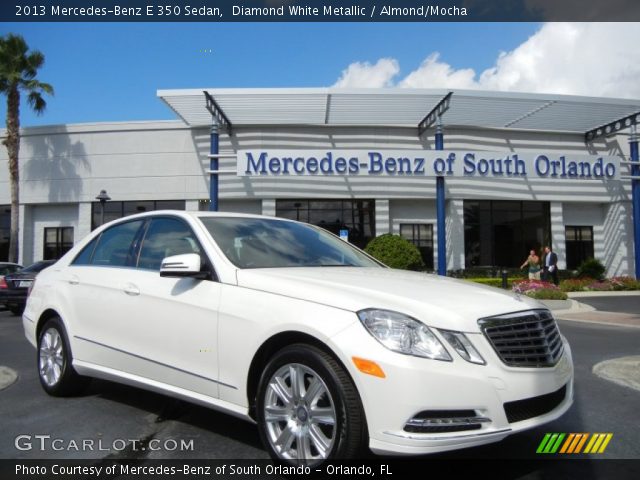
300	415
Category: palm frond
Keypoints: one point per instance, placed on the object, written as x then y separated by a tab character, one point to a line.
36	102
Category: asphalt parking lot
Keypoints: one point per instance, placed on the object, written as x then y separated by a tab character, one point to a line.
107	413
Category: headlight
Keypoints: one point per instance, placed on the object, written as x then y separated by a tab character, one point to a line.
463	346
403	334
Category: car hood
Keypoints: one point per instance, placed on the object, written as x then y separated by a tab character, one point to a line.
437	301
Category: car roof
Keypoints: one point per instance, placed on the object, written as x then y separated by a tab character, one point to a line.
198	214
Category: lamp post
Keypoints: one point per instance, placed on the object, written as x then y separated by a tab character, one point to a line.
102	198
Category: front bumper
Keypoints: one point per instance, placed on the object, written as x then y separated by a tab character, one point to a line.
413	385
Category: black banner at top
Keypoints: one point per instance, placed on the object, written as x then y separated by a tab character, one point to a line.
319	10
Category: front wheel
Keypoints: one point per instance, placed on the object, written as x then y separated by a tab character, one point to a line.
57	376
308	409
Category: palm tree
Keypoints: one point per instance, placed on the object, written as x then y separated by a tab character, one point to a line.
18	70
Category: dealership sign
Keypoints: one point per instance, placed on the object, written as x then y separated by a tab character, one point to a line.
426	163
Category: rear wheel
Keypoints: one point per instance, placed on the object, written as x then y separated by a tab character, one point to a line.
57	376
308	409
16	309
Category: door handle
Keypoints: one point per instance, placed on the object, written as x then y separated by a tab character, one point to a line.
131	289
74	280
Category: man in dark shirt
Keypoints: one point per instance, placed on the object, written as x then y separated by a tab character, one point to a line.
550	264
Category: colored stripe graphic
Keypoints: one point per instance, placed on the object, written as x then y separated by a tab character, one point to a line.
582	441
550	443
567	443
574	443
606	442
543	443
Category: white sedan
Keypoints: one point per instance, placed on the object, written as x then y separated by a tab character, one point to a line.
286	325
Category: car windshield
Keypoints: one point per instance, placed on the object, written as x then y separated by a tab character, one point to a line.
272	243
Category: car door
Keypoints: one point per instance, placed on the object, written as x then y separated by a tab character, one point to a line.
171	323
94	288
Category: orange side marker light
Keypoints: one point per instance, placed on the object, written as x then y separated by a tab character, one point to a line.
368	366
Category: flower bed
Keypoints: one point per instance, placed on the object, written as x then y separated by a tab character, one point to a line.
539	289
575	284
625	283
607	285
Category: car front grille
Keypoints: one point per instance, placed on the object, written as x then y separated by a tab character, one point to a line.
524	339
520	410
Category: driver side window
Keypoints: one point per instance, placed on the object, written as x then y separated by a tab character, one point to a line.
166	237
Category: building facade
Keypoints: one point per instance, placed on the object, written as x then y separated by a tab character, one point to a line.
491	220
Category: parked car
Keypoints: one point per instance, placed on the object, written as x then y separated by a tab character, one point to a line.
285	324
5	268
14	286
8	267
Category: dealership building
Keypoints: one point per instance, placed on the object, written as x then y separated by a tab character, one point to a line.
473	178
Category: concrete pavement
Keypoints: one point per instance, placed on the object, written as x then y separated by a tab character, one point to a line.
577	310
624	370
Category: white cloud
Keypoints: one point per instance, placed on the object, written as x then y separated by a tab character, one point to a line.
596	59
434	74
363	74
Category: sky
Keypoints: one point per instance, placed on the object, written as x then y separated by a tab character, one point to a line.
111	71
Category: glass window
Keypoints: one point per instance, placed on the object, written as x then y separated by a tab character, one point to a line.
84	257
38	266
421	235
8	268
272	243
166	237
116	210
57	242
115	246
355	216
5	231
501	233
579	245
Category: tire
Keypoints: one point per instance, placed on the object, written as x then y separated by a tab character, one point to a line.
16	309
54	361
321	420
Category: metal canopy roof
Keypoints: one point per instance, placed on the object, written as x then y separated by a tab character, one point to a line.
401	107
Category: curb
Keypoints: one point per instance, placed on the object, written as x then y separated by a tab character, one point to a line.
576	307
7	377
631	293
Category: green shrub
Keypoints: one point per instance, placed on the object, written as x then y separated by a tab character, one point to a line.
395	252
575	284
591	268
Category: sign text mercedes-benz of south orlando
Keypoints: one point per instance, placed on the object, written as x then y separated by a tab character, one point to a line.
426	163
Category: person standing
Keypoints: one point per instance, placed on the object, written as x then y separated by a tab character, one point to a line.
550	263
533	261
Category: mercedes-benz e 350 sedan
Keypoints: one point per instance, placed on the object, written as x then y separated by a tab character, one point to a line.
287	325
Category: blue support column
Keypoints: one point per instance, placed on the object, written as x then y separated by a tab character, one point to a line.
440	211
635	197
214	166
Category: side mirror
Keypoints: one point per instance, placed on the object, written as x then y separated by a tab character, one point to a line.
180	266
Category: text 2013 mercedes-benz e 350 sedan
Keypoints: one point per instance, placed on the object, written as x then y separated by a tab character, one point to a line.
285	324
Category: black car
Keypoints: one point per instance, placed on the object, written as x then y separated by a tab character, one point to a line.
14	287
